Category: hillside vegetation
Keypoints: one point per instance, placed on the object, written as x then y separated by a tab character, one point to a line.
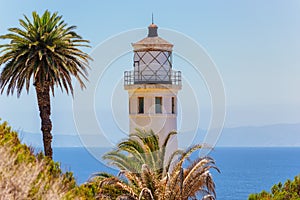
24	175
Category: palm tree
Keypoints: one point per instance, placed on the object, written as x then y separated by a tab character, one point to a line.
47	51
144	174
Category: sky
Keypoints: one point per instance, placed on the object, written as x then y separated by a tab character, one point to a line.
254	44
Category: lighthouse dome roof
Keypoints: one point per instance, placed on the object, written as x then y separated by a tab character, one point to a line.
152	41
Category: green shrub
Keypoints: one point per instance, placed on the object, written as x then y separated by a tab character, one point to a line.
290	190
24	175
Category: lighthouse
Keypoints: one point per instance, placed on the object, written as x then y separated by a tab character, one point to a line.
152	87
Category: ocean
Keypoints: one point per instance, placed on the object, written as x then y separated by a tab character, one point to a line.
243	170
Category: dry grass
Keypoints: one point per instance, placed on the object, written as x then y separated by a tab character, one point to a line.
23	180
26	176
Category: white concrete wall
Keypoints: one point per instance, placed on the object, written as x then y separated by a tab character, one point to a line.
160	123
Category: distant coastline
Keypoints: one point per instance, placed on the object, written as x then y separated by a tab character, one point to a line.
278	135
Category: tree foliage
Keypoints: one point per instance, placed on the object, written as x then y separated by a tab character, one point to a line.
290	190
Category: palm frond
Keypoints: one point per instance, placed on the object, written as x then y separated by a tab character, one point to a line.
141	161
44	49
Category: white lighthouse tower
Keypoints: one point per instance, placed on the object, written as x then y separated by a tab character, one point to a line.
152	87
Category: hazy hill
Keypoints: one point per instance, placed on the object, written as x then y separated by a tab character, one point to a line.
35	140
280	135
272	135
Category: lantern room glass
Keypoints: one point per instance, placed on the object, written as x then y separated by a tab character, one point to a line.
152	66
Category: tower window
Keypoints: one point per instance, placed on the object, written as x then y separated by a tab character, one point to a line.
173	105
129	106
141	105
158	104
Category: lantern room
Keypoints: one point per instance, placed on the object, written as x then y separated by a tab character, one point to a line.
152	61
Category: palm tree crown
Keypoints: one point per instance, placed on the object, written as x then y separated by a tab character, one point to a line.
144	174
45	52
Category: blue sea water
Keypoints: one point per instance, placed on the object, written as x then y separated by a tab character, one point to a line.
243	170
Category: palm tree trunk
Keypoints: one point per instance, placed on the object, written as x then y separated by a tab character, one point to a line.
43	97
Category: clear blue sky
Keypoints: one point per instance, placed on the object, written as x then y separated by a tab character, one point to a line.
254	43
